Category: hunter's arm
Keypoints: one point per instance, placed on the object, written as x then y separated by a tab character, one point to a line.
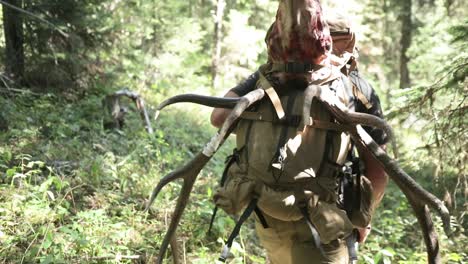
374	171
219	114
376	174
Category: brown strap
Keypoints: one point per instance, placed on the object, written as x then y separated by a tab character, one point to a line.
274	98
276	102
324	74
256	116
294	67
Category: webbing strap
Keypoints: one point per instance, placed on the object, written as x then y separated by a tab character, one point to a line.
229	161
351	245
294	121
277	159
326	153
261	217
274	98
213	216
247	137
295	67
315	234
235	232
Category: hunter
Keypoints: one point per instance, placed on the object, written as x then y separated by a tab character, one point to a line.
295	171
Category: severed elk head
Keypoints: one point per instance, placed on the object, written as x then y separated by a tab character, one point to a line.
300	34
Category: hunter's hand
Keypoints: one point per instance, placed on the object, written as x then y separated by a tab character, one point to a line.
363	233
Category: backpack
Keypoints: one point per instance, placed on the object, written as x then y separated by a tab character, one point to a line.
283	164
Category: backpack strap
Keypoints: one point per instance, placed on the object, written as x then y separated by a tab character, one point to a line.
278	158
274	98
294	121
234	157
252	207
294	67
351	241
315	235
321	75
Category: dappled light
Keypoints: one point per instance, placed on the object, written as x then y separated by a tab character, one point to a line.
81	148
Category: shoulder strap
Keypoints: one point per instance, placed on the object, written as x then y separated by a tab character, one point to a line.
252	207
320	74
270	91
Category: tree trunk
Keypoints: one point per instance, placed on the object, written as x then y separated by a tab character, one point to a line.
405	42
220	4
14	38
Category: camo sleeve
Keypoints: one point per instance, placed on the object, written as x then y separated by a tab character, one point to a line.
374	107
246	85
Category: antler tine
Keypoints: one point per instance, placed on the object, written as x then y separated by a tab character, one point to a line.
355	118
189	174
212	101
343	115
190	171
418	198
177	174
404	181
311	92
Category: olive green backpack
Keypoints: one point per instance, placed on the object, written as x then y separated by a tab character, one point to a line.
285	165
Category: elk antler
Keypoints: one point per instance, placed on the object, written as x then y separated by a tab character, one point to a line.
417	196
342	113
190	171
220	102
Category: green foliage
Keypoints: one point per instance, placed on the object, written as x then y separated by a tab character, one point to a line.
71	192
53	60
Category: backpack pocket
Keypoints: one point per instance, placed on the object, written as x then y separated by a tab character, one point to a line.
279	204
237	191
330	221
362	216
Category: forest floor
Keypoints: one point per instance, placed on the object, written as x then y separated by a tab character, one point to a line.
72	192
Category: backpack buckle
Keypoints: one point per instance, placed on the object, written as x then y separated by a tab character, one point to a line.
297	67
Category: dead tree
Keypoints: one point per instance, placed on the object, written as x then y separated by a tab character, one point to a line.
14	39
117	111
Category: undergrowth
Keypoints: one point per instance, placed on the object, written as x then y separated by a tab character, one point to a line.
72	192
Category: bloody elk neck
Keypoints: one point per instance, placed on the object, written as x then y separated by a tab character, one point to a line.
299	33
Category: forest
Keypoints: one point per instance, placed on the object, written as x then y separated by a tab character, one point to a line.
74	181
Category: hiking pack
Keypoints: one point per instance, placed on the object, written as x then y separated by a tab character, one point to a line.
419	199
289	169
292	159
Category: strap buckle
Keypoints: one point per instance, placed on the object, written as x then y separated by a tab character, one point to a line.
297	67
